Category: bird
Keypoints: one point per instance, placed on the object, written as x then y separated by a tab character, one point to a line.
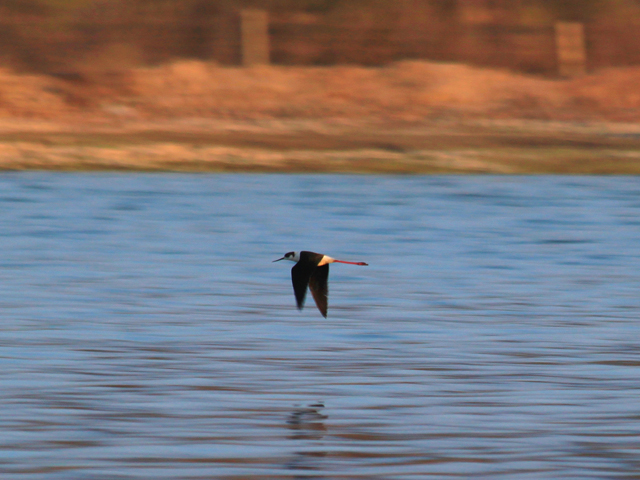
312	270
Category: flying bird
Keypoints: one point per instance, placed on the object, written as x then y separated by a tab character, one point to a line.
312	270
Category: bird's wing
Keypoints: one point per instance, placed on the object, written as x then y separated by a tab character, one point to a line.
300	279
318	284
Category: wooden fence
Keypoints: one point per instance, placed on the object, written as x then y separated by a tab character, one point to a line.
564	49
236	38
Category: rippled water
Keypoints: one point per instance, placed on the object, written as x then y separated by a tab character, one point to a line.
146	334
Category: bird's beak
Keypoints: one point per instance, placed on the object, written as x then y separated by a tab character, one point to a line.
278	260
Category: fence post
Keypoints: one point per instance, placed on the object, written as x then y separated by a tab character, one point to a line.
571	51
254	34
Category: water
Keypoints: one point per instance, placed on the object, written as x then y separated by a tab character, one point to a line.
146	334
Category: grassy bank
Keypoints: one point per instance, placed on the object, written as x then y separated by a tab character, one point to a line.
476	147
411	117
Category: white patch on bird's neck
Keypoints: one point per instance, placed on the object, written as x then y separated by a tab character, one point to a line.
295	257
325	260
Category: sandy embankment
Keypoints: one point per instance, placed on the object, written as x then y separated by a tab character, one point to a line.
407	117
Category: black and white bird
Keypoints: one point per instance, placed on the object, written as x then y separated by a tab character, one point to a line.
312	270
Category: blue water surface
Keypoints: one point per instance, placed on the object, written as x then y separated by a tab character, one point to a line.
146	334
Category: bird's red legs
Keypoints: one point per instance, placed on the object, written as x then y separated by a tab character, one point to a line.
351	263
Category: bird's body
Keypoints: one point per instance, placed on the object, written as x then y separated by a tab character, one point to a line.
312	270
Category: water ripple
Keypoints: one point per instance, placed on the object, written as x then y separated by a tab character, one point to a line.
146	333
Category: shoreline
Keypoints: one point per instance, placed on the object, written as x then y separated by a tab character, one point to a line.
322	146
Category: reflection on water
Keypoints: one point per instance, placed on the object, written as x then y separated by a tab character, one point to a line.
307	425
146	333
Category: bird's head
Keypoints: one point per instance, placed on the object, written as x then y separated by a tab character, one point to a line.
293	256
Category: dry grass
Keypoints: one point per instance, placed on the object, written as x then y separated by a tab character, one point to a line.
406	91
198	116
30	96
189	158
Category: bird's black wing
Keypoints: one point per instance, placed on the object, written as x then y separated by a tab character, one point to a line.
318	284
300	279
